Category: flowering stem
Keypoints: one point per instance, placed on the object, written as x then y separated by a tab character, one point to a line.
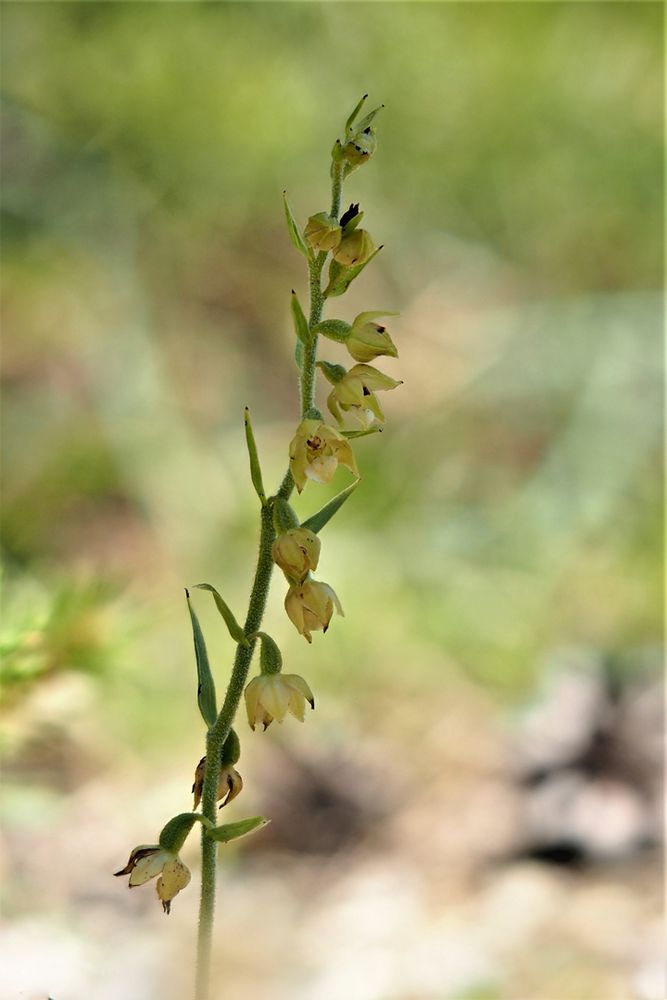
219	731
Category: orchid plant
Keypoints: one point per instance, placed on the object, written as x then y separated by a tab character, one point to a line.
316	450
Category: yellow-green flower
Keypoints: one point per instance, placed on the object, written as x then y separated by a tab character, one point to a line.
354	248
323	232
297	552
315	451
149	860
230	783
355	393
368	340
272	696
310	605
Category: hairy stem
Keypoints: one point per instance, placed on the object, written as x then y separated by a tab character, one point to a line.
218	733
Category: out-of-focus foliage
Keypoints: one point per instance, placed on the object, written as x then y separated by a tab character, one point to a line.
510	509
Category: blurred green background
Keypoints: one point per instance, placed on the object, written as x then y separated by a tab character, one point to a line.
477	793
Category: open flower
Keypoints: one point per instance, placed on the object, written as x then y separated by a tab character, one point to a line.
147	861
368	340
230	783
297	552
315	451
310	606
356	392
272	696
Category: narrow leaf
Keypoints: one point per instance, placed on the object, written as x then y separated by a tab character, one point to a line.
339	282
298	354
300	321
233	626
232	831
255	470
294	232
205	683
350	122
334	329
318	520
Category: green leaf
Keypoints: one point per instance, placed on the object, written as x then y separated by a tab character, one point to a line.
350	122
235	630
205	683
334	329
340	279
294	231
300	321
255	470
232	831
318	520
298	354
175	832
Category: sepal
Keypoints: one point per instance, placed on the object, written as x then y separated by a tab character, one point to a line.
340	278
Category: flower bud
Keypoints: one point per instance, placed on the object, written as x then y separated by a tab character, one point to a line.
297	552
360	147
230	784
354	248
369	340
322	232
310	605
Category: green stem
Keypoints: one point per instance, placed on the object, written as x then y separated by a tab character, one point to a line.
218	733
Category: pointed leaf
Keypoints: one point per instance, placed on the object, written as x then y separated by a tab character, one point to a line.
334	329
232	831
318	520
340	280
350	122
233	626
300	321
255	470
294	231
205	683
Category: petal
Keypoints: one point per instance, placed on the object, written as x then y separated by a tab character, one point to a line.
275	697
322	469
297	705
372	378
294	608
148	867
334	597
295	681
175	876
252	693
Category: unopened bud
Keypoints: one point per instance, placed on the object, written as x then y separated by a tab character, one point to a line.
322	232
355	248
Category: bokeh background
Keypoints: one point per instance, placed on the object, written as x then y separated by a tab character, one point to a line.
472	813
